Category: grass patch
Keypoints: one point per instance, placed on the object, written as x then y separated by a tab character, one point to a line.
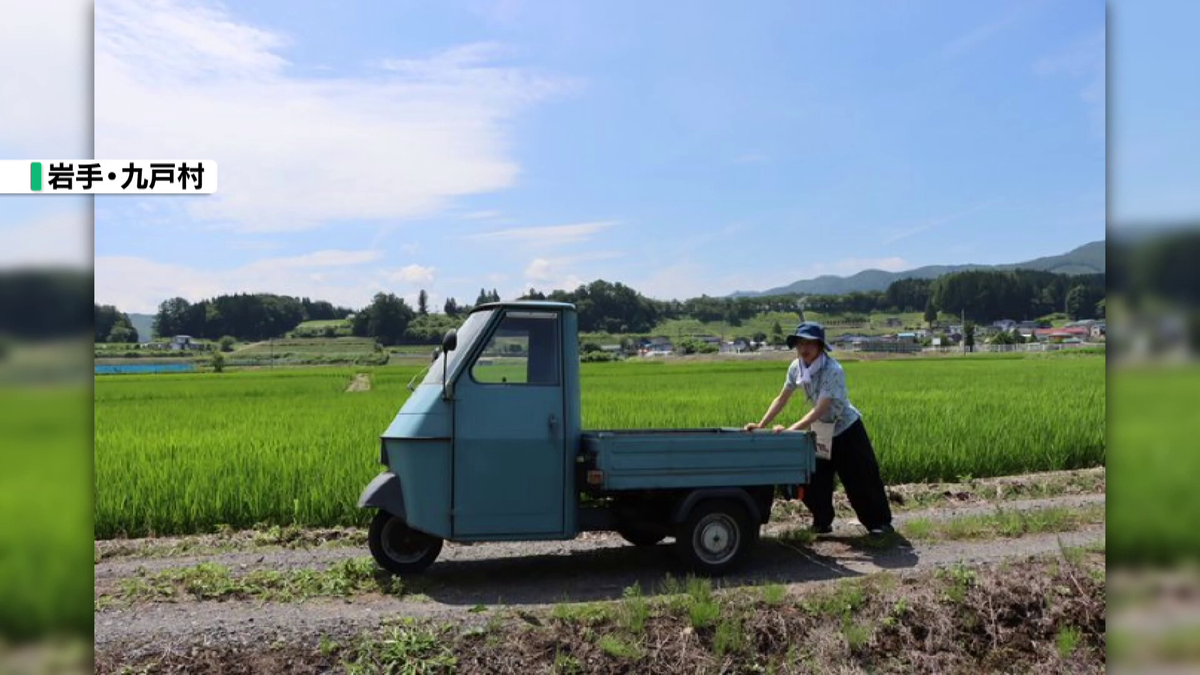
774	594
410	647
1004	523
634	610
1067	641
730	637
847	597
959	579
585	612
621	647
210	581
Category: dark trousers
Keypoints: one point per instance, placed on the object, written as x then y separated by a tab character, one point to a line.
853	460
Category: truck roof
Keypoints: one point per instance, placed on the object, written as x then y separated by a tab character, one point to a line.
526	304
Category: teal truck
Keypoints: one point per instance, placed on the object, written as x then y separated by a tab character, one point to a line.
490	447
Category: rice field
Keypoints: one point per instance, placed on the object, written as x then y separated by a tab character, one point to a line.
189	453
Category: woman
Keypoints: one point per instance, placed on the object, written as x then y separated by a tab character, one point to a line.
852	457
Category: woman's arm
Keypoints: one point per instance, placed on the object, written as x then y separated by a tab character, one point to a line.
777	405
813	415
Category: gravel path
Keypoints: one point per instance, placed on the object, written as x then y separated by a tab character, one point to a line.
276	558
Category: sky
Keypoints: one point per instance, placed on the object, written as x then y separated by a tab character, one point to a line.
680	148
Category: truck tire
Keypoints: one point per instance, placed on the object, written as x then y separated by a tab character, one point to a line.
640	535
398	548
716	536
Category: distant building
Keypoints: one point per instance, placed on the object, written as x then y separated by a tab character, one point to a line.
181	342
894	322
1099	331
1005	325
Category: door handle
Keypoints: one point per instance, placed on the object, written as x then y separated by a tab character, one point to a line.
553	421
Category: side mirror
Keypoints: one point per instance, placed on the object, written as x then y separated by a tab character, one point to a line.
436	353
448	344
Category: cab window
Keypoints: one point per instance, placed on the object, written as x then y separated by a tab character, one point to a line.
524	349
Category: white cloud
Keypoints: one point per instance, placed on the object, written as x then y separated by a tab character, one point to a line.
296	152
60	237
675	282
481	215
136	284
553	235
412	274
565	272
45	78
538	270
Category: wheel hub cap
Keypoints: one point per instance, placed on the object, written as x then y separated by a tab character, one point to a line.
402	544
716	539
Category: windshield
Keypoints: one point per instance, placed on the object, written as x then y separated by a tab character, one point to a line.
467	334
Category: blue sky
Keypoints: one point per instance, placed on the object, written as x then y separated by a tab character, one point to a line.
681	148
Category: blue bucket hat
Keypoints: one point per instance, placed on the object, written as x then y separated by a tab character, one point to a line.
808	330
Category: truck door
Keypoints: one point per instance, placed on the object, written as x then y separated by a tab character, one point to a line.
509	440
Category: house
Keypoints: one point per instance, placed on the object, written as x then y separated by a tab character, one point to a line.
1061	335
906	337
1099	331
181	342
734	347
886	345
1005	325
658	346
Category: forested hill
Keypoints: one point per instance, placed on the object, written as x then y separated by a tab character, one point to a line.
1086	259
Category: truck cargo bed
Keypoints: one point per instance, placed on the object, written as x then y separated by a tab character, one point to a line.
641	459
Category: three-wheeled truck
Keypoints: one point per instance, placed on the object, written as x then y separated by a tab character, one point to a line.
490	447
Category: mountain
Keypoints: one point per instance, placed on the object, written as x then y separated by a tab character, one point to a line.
144	323
1086	259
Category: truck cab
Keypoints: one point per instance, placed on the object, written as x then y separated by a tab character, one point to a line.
490	447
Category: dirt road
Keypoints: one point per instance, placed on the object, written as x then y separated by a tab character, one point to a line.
470	582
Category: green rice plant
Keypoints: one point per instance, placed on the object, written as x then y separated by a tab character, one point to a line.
44	512
184	453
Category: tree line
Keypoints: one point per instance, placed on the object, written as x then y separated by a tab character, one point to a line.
247	316
607	307
112	325
44	303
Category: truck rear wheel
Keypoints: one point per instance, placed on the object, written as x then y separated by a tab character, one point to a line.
716	537
398	548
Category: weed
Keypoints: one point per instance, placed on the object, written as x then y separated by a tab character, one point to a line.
619	647
1067	641
774	594
730	637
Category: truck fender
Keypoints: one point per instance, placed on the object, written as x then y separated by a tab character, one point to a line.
384	493
681	511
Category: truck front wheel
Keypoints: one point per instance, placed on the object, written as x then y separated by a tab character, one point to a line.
716	537
398	548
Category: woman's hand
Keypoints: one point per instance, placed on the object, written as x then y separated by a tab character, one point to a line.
779	427
751	426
